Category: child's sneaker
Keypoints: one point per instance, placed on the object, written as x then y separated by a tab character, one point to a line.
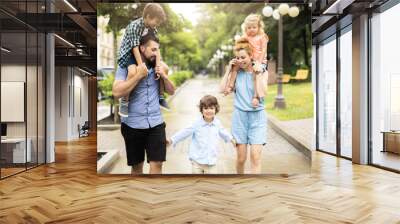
123	107
163	103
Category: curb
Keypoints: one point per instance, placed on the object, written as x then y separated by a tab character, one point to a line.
282	130
108	127
107	161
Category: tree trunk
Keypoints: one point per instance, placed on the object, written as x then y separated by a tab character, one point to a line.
115	102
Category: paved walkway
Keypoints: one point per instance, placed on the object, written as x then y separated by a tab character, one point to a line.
303	130
278	156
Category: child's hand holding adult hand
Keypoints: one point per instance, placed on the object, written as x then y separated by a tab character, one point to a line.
169	142
160	72
233	141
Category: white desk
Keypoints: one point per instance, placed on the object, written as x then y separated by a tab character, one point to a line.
18	150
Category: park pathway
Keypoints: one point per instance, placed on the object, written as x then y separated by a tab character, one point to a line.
278	157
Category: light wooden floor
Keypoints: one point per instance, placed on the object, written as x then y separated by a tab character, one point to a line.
70	191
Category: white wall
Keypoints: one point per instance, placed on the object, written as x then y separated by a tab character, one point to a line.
33	126
71	93
61	103
14	73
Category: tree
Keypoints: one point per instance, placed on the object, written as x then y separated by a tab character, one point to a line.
106	87
119	14
178	45
222	21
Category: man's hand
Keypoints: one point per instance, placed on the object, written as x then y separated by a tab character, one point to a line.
142	70
132	71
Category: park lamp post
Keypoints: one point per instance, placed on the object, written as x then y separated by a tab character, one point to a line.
283	9
220	57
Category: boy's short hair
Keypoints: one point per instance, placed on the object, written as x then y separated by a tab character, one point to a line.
154	10
148	37
208	101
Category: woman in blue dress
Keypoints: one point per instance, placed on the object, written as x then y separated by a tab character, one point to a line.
249	121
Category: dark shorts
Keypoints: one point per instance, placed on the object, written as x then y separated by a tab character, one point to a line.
140	142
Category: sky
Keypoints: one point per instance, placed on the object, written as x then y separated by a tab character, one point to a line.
188	10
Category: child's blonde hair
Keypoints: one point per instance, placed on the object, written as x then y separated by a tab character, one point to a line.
253	18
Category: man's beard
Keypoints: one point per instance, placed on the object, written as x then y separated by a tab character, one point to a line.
150	62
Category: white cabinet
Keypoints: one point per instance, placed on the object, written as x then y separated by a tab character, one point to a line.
18	149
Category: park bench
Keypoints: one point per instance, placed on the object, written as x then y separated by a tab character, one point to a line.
301	75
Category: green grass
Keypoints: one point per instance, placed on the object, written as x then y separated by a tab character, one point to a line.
299	101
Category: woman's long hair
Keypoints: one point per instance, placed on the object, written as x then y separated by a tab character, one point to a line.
243	44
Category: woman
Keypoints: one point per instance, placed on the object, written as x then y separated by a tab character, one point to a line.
249	123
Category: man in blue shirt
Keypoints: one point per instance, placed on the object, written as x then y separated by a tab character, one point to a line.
144	129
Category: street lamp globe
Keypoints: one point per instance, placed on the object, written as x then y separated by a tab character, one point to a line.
267	11
276	14
294	11
283	9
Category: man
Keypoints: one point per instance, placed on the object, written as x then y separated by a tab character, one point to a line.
144	129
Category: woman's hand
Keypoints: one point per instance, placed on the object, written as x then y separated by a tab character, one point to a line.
255	101
234	64
265	61
257	67
228	90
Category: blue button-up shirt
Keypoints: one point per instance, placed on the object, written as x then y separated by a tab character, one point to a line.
144	108
203	148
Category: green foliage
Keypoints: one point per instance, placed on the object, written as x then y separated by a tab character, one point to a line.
180	77
184	46
120	14
105	86
299	101
222	21
181	49
179	46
